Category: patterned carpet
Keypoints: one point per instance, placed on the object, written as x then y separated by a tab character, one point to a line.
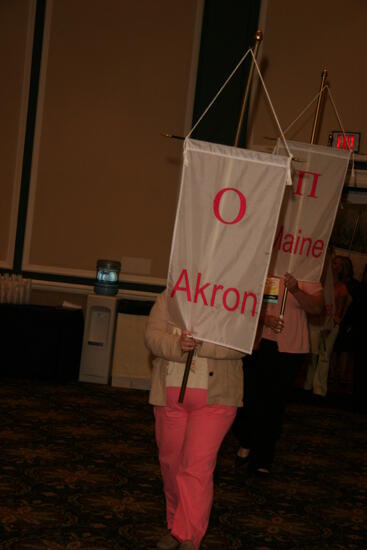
79	470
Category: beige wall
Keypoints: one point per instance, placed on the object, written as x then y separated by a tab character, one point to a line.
300	38
56	298
117	74
114	76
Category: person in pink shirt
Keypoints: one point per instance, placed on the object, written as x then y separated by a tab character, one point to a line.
270	371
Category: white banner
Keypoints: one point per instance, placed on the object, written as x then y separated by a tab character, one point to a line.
226	219
309	210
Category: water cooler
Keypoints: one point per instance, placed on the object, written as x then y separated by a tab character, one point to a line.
98	340
99	328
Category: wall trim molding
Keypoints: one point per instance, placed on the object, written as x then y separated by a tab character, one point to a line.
133	383
20	146
75	288
37	135
194	66
90	275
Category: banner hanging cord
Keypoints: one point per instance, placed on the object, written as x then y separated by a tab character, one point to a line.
326	87
271	106
218	93
303	111
353	175
265	90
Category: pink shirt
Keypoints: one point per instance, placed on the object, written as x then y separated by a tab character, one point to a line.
294	337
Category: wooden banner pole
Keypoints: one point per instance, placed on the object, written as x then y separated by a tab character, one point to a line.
318	106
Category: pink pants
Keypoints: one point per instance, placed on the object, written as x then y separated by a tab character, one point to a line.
188	437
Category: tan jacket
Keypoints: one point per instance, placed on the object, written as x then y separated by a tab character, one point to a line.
225	374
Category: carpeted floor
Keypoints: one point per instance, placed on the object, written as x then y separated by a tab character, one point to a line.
79	470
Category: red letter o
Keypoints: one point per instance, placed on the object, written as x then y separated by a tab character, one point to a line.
217	200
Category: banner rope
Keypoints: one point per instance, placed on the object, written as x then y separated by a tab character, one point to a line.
218	93
304	110
265	90
353	174
271	106
330	95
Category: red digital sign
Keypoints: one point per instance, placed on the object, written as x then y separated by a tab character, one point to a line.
347	140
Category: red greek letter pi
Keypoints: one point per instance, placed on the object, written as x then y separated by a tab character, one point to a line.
301	175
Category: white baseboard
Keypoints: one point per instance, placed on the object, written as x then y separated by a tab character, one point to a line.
93	379
128	382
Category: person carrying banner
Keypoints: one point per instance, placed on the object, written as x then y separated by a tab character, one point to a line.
189	434
272	368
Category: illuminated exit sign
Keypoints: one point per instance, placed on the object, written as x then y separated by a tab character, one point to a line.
348	140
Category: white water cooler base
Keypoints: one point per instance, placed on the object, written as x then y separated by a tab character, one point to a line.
98	340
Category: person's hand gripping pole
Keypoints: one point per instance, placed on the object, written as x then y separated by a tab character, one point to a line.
290	285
